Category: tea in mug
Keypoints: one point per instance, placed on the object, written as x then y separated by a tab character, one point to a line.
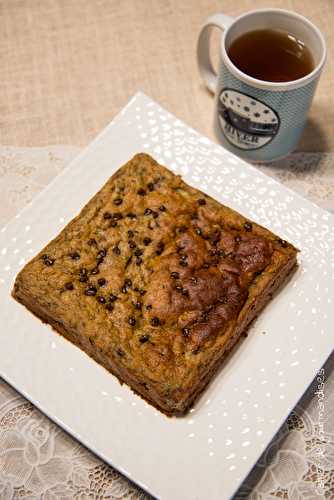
271	55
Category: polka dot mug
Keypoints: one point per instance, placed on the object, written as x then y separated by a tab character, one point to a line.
256	119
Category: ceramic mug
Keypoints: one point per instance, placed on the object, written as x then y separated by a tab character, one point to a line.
257	119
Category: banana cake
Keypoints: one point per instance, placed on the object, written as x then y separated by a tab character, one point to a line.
156	281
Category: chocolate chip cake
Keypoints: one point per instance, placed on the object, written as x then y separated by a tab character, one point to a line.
156	281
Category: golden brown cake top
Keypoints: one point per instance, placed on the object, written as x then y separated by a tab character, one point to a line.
152	270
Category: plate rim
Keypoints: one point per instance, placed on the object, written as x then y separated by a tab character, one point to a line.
34	201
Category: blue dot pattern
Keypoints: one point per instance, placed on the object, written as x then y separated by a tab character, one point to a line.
291	106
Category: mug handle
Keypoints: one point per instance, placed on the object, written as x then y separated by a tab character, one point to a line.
206	70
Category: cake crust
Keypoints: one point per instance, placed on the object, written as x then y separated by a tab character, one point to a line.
156	281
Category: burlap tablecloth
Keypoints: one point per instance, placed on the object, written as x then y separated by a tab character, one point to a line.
67	66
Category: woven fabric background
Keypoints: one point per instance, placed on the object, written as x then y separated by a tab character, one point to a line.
68	66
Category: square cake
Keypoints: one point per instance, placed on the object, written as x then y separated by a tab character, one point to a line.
156	281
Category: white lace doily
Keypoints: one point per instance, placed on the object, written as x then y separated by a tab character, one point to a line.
40	461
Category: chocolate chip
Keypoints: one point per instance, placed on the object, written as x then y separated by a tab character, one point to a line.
147	211
138	305
174	275
132	321
221	252
206	265
162	208
91	290
117	216
101	281
179	288
149	307
69	286
75	256
83	278
185	332
101	299
95	271
112	297
155	321
120	352
107	215
141	192
116	251
118	201
283	243
110	307
183	263
132	244
49	261
128	282
237	238
102	253
138	252
198	231
147	241
142	292
155	214
131	234
194	280
99	260
144	338
201	201
160	248
183	257
248	226
131	215
150	186
182	229
139	261
91	242
113	223
124	289
185	292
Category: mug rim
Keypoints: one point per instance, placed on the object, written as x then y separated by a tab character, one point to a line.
264	84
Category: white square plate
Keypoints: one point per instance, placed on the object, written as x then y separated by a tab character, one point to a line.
206	454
